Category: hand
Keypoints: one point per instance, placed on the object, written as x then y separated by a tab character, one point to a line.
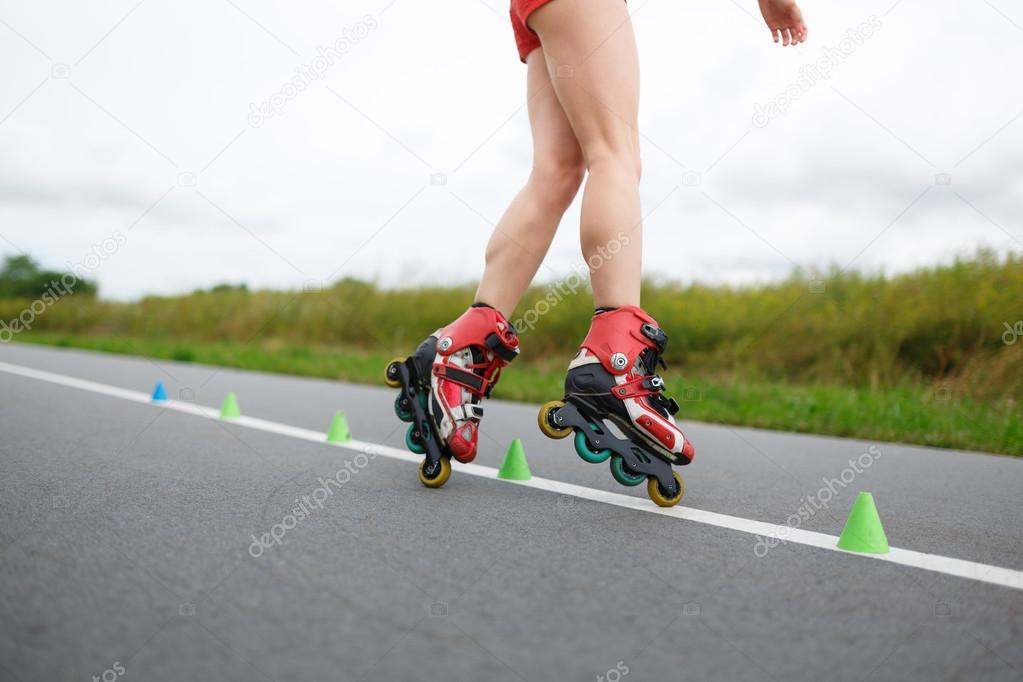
785	21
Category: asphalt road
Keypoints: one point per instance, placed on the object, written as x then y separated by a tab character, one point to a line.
126	549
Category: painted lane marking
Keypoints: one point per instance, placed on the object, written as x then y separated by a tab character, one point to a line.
960	568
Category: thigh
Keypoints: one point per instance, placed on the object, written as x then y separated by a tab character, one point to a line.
590	50
553	138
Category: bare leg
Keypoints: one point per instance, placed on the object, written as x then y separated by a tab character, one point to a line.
591	57
525	231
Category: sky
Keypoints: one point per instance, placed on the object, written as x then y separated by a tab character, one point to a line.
158	147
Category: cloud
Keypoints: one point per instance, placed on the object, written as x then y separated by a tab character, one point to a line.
341	178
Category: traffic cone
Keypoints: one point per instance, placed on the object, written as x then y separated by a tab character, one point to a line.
159	393
863	531
229	408
339	432
515	467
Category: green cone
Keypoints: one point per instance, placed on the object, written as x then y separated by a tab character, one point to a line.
863	531
229	408
339	432
515	467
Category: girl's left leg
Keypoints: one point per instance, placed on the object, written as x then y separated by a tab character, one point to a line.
455	368
523	235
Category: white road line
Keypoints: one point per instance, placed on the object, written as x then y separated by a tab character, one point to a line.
960	568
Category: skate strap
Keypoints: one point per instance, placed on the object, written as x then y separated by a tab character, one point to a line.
470	380
467	411
503	350
640	386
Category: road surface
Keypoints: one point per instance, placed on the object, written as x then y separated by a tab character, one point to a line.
150	543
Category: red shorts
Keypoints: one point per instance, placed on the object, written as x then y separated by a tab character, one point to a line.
525	39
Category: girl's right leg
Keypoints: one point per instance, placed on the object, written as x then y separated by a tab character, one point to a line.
591	56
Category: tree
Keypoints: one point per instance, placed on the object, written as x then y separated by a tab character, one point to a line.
21	277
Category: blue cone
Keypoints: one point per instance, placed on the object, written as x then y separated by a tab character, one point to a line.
159	393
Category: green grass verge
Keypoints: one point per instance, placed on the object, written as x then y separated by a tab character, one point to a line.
907	413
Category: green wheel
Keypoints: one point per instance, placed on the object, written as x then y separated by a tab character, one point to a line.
403	409
582	448
623	474
413	440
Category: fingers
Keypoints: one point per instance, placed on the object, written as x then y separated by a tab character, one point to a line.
789	35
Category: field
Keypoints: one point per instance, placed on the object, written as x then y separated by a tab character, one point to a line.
928	357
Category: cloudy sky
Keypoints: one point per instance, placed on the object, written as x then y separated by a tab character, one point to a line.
138	125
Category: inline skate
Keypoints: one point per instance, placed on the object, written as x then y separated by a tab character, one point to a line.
612	382
443	383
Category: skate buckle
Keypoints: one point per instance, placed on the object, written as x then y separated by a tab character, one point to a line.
656	335
672	407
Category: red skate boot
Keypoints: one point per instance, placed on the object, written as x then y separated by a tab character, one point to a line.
443	383
612	380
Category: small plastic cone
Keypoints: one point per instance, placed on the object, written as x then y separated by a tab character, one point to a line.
515	467
229	408
159	393
863	531
339	432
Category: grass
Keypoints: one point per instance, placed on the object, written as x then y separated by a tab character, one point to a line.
908	412
920	357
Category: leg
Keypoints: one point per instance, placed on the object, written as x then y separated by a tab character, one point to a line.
524	233
591	57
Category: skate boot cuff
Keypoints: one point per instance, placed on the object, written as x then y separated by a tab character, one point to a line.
618	337
480	326
483	328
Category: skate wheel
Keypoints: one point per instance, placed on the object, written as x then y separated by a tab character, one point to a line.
414	439
582	448
543	420
436	476
656	493
392	377
403	409
623	474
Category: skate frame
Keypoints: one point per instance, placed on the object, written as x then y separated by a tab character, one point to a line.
640	460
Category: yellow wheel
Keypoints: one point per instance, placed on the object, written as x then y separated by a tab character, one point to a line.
391	376
544	422
653	489
439	477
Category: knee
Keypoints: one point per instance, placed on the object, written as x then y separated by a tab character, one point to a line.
558	177
619	158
